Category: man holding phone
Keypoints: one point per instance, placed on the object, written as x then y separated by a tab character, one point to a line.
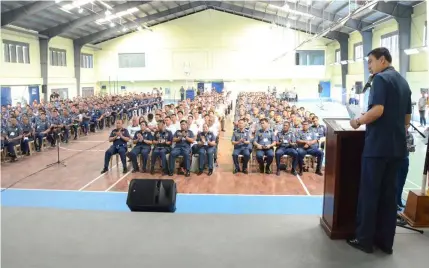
264	143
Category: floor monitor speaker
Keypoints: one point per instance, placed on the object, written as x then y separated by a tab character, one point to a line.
152	195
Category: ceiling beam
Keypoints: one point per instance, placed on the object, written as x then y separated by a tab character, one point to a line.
394	8
217	5
353	24
19	13
270	18
68	26
99	35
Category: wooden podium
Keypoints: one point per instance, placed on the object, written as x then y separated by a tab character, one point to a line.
343	154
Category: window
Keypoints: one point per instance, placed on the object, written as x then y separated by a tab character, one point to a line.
57	57
391	42
358	51
310	57
86	61
16	52
337	56
131	60
425	34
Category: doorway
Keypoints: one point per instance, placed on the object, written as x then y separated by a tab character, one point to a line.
87	92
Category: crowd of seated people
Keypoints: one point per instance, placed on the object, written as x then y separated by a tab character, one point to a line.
189	128
272	129
59	119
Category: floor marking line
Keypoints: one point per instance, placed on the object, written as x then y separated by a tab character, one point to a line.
303	185
195	194
101	175
88	141
76	150
419	186
120	179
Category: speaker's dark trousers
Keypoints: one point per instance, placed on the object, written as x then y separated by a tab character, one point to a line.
401	178
135	152
121	150
162	153
203	152
281	151
245	152
376	211
185	152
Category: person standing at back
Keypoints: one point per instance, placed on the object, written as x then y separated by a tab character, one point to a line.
422	110
387	118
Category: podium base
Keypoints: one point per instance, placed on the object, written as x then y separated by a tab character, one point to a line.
416	211
337	233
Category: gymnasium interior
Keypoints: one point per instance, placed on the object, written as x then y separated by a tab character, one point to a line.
59	210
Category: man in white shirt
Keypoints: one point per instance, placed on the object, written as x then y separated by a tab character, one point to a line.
169	125
422	110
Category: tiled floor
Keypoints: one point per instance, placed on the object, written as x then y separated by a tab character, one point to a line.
84	161
79	184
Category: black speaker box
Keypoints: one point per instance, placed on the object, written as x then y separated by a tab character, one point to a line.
152	195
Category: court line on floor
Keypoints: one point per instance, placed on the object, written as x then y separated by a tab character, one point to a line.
414	183
89	141
99	176
120	179
76	150
303	185
197	194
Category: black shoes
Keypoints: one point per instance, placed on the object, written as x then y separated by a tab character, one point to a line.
357	245
210	172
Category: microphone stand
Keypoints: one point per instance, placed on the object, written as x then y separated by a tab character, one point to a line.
58	138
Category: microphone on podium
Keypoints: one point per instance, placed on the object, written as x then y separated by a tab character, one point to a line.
368	84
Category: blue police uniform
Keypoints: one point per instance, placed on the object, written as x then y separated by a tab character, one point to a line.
66	122
141	148
285	147
385	147
241	148
40	127
312	150
264	138
13	132
183	148
119	147
26	129
161	149
55	120
86	117
206	149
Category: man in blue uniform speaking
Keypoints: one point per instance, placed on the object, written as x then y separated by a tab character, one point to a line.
387	118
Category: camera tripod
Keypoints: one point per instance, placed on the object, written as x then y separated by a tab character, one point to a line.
57	137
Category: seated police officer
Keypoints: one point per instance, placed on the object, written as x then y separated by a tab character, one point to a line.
308	144
13	137
143	140
286	144
241	141
183	139
67	124
206	147
119	137
264	143
162	146
27	135
56	125
42	130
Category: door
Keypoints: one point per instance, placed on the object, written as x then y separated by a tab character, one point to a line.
34	94
6	96
87	92
326	89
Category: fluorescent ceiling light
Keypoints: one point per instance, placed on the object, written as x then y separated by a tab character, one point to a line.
117	15
104	4
411	51
76	4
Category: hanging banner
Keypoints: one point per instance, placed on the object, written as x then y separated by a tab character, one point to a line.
34	94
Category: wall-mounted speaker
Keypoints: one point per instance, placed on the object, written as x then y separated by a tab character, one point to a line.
44	89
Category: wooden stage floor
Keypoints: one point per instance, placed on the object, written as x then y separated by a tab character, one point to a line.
84	159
